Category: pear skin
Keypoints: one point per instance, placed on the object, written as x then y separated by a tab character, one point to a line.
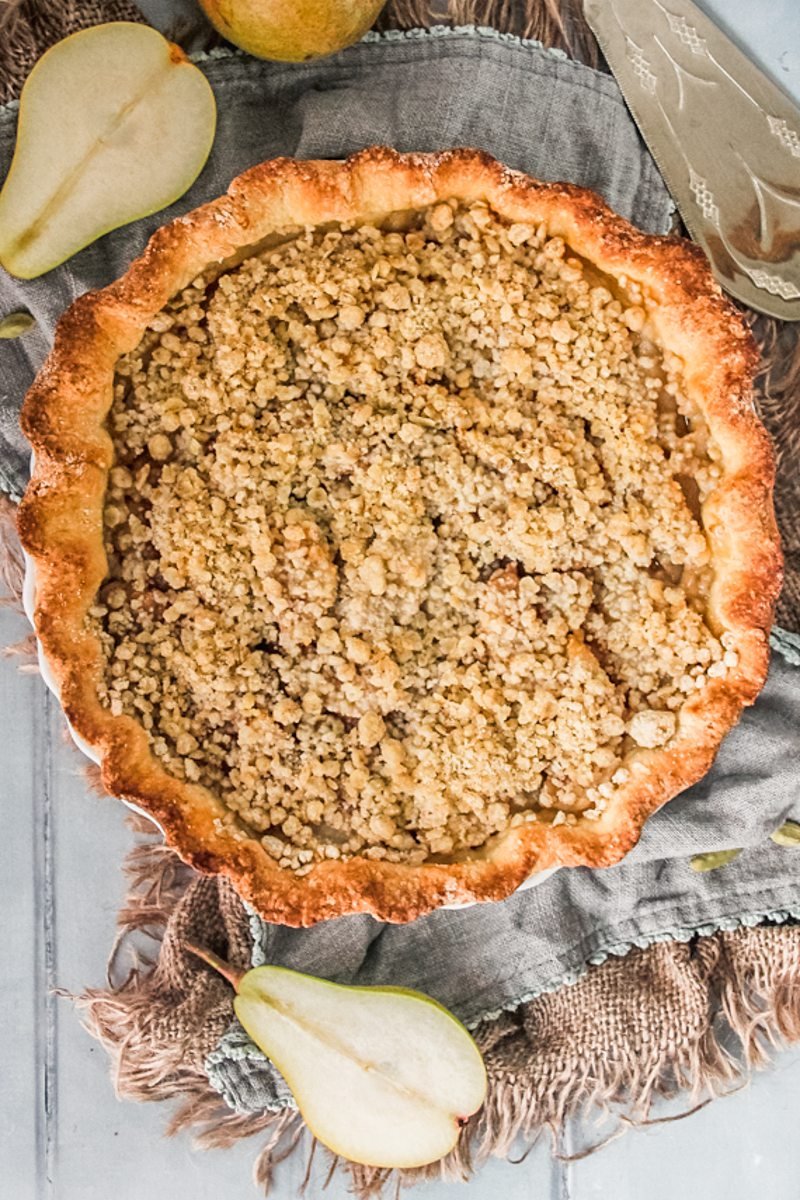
292	30
383	1076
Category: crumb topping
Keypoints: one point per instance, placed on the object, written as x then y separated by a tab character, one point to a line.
404	537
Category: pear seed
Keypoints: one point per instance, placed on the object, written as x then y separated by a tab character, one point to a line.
15	324
710	862
787	835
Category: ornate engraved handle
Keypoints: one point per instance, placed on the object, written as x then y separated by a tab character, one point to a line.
725	138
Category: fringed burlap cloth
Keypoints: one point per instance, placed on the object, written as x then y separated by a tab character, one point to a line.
692	1015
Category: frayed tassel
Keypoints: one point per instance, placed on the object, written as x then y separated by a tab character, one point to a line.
411	14
556	23
778	404
25	650
759	991
12	575
286	1132
160	1018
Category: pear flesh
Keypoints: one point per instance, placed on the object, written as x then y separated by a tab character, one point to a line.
292	30
382	1076
114	123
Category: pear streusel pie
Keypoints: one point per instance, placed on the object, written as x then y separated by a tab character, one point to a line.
402	526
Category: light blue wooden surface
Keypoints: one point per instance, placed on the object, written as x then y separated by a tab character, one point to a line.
64	1136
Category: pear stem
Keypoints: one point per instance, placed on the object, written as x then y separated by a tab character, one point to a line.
233	975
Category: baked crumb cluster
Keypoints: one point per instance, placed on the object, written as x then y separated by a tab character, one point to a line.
403	538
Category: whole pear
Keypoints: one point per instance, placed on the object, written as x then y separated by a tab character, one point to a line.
292	30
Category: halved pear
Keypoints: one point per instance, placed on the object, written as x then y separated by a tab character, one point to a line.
383	1076
114	123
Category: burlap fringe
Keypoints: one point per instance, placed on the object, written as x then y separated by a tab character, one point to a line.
114	1015
556	23
12	570
778	403
12	574
763	1013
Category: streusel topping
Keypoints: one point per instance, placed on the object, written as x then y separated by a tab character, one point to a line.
404	538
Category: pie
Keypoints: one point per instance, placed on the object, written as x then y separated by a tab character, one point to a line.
402	527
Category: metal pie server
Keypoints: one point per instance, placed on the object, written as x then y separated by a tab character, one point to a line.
725	138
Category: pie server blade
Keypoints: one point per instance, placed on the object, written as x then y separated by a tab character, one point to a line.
725	138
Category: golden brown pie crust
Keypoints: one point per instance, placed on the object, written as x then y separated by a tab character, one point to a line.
61	516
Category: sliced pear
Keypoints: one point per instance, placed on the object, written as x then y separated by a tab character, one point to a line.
292	30
114	123
383	1076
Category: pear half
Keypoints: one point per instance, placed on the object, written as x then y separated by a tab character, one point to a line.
114	123
383	1076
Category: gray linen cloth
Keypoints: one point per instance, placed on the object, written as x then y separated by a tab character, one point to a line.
555	119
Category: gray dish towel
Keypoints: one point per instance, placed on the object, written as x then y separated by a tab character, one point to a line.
555	119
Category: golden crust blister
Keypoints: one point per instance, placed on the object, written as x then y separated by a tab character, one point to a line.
61	517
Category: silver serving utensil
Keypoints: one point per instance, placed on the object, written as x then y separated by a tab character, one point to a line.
725	138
